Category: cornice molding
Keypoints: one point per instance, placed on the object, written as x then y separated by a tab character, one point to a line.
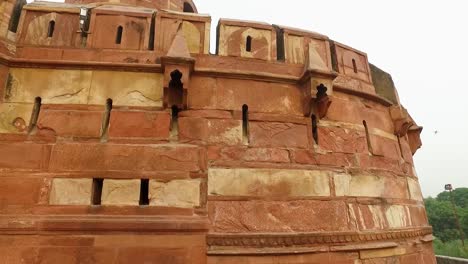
276	240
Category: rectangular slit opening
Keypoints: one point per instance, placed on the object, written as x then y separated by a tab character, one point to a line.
369	145
174	122
97	191
118	37
245	124
151	36
315	129
144	192
280	53
35	114
16	15
334	56
50	31
106	120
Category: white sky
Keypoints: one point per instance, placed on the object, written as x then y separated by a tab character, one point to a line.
420	42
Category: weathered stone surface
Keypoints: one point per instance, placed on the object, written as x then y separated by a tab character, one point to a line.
14	118
53	86
176	193
367	161
266	155
71	192
24	156
383	84
57	255
368	217
381	217
142	124
414	190
232	94
370	186
233	38
398	216
406	150
36	30
126	88
382	253
268	182
19	191
121	192
346	109
213	131
385	147
117	157
279	216
71	122
418	216
309	157
274	155
269	134
342	140
310	258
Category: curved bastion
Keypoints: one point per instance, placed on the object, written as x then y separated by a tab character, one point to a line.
123	140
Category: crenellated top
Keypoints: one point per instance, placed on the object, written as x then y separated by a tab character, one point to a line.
141	33
175	5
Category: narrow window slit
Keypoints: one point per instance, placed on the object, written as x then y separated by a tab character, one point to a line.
174	122
315	129
369	145
106	119
355	66
97	191
16	15
151	37
245	124
144	192
280	53
35	113
50	32
118	38
248	44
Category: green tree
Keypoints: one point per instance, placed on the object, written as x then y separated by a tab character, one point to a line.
460	197
440	214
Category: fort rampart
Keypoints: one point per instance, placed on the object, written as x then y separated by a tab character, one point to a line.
123	140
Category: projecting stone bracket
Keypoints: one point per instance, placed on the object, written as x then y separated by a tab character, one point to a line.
177	66
405	126
177	73
317	87
414	138
401	120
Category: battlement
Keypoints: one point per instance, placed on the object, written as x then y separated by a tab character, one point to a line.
124	33
122	135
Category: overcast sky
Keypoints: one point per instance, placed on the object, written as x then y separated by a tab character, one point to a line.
421	43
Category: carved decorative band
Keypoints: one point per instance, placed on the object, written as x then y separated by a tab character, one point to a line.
302	239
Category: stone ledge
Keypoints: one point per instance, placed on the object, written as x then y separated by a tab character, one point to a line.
14	224
272	240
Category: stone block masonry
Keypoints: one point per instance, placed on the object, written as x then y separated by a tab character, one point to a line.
122	140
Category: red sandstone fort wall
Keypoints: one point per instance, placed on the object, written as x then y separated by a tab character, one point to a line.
284	147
